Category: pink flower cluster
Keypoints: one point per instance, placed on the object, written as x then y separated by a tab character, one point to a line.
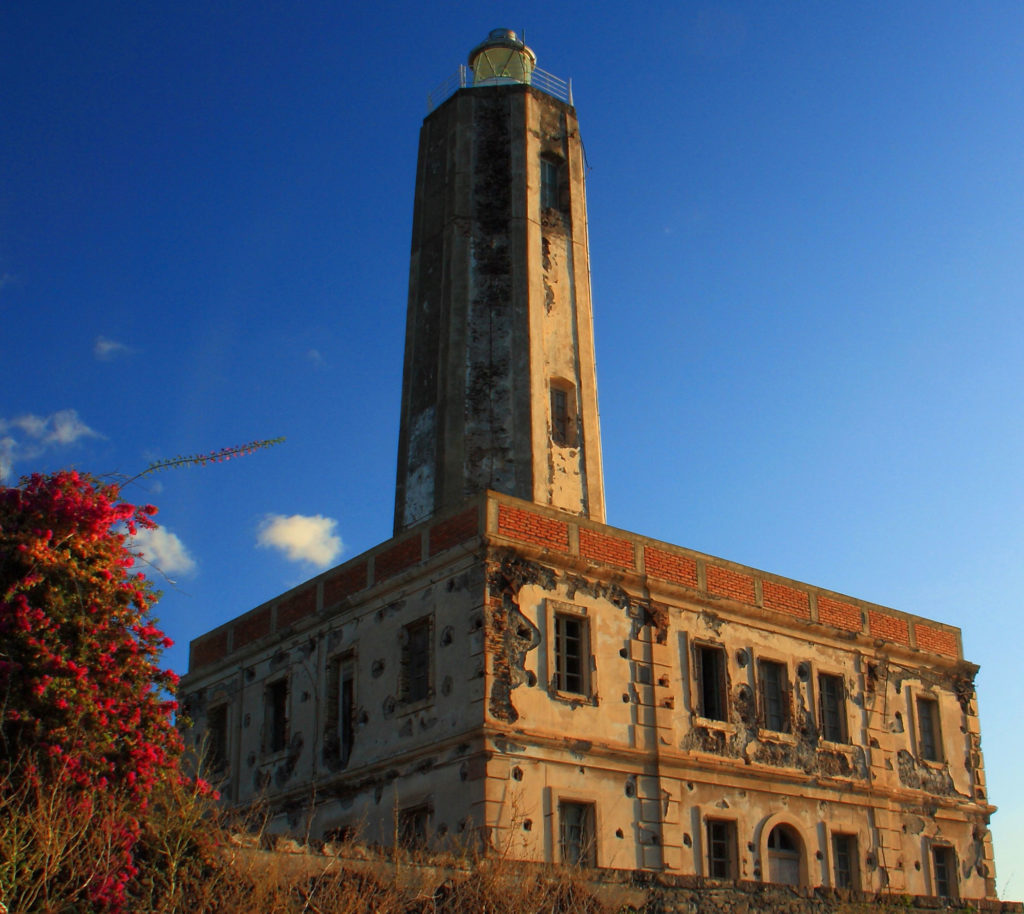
87	703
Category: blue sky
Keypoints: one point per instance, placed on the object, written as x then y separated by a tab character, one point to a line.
806	226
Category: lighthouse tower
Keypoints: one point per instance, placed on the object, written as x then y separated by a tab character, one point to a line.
508	668
499	390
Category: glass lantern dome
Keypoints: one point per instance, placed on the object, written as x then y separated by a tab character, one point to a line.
502	59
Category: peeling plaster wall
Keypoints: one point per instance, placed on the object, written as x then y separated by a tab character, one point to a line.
498	744
499	306
403	753
636	738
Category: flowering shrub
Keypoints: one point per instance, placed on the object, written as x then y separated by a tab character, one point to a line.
84	707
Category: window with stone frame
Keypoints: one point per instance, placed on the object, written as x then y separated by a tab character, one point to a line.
832	708
341	708
417	660
414	825
844	861
275	716
571	653
785	856
216	739
944	871
577	838
709	672
721	849
550	173
563	413
929	730
775	696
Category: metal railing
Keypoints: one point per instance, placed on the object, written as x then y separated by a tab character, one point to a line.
547	82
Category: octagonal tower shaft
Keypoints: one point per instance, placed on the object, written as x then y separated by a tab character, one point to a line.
499	389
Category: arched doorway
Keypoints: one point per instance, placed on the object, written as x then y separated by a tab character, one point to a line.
784	856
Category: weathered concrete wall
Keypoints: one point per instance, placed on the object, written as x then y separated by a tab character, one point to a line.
499	308
637	734
404	753
499	743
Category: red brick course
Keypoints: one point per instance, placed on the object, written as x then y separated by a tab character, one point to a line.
603	548
891	628
296	607
728	583
345	582
785	599
839	614
397	558
453	531
533	528
252	626
670	567
936	640
208	649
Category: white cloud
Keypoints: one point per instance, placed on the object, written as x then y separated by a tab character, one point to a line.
106	350
163	550
315	358
66	428
8	447
29	436
302	538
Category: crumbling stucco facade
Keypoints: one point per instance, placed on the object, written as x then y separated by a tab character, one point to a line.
500	745
499	317
512	671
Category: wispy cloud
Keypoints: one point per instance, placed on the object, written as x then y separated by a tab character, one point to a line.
164	551
302	538
315	357
29	436
106	350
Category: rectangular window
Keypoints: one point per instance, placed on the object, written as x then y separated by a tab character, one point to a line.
576	834
721	849
275	722
548	184
832	701
774	696
844	858
417	660
341	708
559	416
572	653
945	871
711	690
414	826
217	739
929	734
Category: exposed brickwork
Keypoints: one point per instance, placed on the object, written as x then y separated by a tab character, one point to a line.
208	649
397	558
728	583
296	607
453	531
891	628
252	626
345	582
670	567
839	614
785	599
533	528
936	639
603	548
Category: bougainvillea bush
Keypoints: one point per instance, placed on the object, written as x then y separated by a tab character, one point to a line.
85	712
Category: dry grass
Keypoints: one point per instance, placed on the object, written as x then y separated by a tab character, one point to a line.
192	859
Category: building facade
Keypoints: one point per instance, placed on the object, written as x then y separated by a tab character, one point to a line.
509	669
